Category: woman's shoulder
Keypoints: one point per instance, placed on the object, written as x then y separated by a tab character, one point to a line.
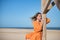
34	21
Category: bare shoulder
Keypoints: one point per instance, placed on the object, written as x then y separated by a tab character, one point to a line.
33	21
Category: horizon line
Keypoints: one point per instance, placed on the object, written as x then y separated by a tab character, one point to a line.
49	28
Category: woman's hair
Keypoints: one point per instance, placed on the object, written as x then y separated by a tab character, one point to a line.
34	18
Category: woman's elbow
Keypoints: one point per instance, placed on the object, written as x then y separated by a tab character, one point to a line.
47	21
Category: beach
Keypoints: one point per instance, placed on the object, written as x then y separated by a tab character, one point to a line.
19	34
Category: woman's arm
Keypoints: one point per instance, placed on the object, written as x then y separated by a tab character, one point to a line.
47	20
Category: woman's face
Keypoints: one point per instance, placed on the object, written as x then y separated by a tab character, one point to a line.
39	17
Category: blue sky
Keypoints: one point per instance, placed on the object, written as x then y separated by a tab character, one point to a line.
17	13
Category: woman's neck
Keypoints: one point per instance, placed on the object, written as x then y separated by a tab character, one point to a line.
38	20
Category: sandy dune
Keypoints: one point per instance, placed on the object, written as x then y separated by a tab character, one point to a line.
19	34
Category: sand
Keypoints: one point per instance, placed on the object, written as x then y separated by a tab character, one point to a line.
19	34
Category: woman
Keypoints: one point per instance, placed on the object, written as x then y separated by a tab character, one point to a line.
38	25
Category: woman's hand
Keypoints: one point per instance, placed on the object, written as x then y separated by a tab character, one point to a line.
42	21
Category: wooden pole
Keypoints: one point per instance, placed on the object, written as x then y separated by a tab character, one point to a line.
44	6
57	2
44	26
43	2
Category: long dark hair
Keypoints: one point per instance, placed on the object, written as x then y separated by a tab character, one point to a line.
34	17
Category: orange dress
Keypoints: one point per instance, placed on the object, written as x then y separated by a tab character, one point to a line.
37	33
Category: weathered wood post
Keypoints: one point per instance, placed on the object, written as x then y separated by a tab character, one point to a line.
57	2
44	6
43	2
